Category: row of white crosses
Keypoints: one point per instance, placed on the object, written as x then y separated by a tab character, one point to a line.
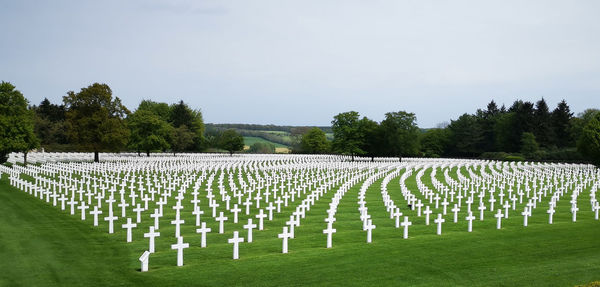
136	187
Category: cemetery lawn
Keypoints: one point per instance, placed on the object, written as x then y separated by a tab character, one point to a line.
43	246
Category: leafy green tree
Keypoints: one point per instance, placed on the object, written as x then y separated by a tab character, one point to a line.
95	121
561	122
589	143
148	132
400	134
160	109
231	141
315	142
181	114
346	136
528	144
16	123
579	122
182	139
372	137
262	147
435	142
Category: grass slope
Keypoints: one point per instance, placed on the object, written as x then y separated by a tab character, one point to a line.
48	247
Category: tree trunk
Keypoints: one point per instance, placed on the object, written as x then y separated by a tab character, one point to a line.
230	153
96	156
148	153
372	158
25	158
139	153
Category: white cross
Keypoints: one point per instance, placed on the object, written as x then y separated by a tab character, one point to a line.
203	230
369	228
439	222
95	213
329	231
221	219
427	212
397	215
129	226
110	219
83	207
526	213
150	235
481	209
138	210
470	218
235	211
177	222
499	217
550	212
261	216
574	210
236	240
455	210
249	226
180	246
156	215
270	208
406	224
285	236
197	212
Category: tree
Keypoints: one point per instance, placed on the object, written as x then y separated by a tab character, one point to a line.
434	142
182	139
262	147
579	122
542	128
400	134
148	132
231	141
16	123
528	144
50	125
561	122
346	136
465	135
95	121
315	142
589	143
160	109
371	141
181	114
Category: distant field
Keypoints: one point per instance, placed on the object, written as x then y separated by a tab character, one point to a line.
279	148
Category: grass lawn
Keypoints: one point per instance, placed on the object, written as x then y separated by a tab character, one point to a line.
40	245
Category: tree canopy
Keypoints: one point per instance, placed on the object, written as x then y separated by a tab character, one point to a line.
148	132
95	120
314	142
231	141
16	123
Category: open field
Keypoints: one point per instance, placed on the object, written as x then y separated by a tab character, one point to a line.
279	148
48	246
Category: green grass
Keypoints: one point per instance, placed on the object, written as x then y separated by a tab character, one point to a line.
252	140
46	247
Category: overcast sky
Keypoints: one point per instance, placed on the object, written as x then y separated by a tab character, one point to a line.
302	62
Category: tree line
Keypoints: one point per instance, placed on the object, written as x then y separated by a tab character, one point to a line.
92	120
524	131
